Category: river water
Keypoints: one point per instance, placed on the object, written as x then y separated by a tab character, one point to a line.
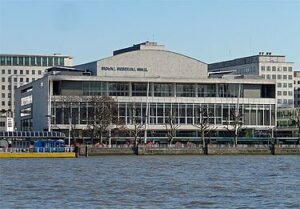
151	182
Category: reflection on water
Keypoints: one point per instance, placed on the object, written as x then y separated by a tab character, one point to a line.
151	182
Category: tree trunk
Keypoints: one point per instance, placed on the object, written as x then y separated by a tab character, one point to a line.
203	138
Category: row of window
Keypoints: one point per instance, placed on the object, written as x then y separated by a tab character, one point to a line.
285	101
3	95
3	87
21	72
285	85
278	69
161	113
8	103
15	79
284	93
284	77
31	61
8	87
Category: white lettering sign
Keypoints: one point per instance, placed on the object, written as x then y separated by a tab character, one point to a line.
133	69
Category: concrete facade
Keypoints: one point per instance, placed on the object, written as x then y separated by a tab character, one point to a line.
148	85
267	66
17	70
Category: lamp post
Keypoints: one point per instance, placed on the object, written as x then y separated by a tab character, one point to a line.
49	121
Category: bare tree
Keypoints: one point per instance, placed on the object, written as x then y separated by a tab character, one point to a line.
171	127
202	123
70	115
235	122
295	118
102	113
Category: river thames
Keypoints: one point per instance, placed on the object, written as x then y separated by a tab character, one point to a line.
151	182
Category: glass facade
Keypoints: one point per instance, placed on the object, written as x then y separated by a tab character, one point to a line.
159	113
31	60
224	90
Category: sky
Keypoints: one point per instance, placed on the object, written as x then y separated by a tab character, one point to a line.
208	30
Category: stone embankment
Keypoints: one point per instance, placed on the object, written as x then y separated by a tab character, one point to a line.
211	149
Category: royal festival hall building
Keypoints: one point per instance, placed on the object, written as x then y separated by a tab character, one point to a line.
148	84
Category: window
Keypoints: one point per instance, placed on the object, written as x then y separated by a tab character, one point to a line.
284	85
290	85
39	72
33	72
44	61
279	93
9	103
290	77
3	87
273	76
290	93
278	76
3	95
185	90
279	101
61	61
33	79
3	71
21	79
55	61
9	72
15	79
38	61
284	77
273	68
27	80
284	93
279	69
9	95
290	69
15	61
9	79
21	61
268	76
3	79
9	87
163	89
139	89
284	68
279	85
2	60
32	61
50	61
3	103
21	72
8	60
118	89
262	68
27	72
268	68
26	61
15	72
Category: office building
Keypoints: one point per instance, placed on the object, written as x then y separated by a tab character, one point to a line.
17	70
265	65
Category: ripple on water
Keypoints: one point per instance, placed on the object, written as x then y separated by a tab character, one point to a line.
151	182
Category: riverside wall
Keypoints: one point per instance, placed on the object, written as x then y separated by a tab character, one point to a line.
211	149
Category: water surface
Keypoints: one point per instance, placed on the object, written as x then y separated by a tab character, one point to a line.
151	182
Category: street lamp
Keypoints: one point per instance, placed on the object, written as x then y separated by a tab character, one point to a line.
49	121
